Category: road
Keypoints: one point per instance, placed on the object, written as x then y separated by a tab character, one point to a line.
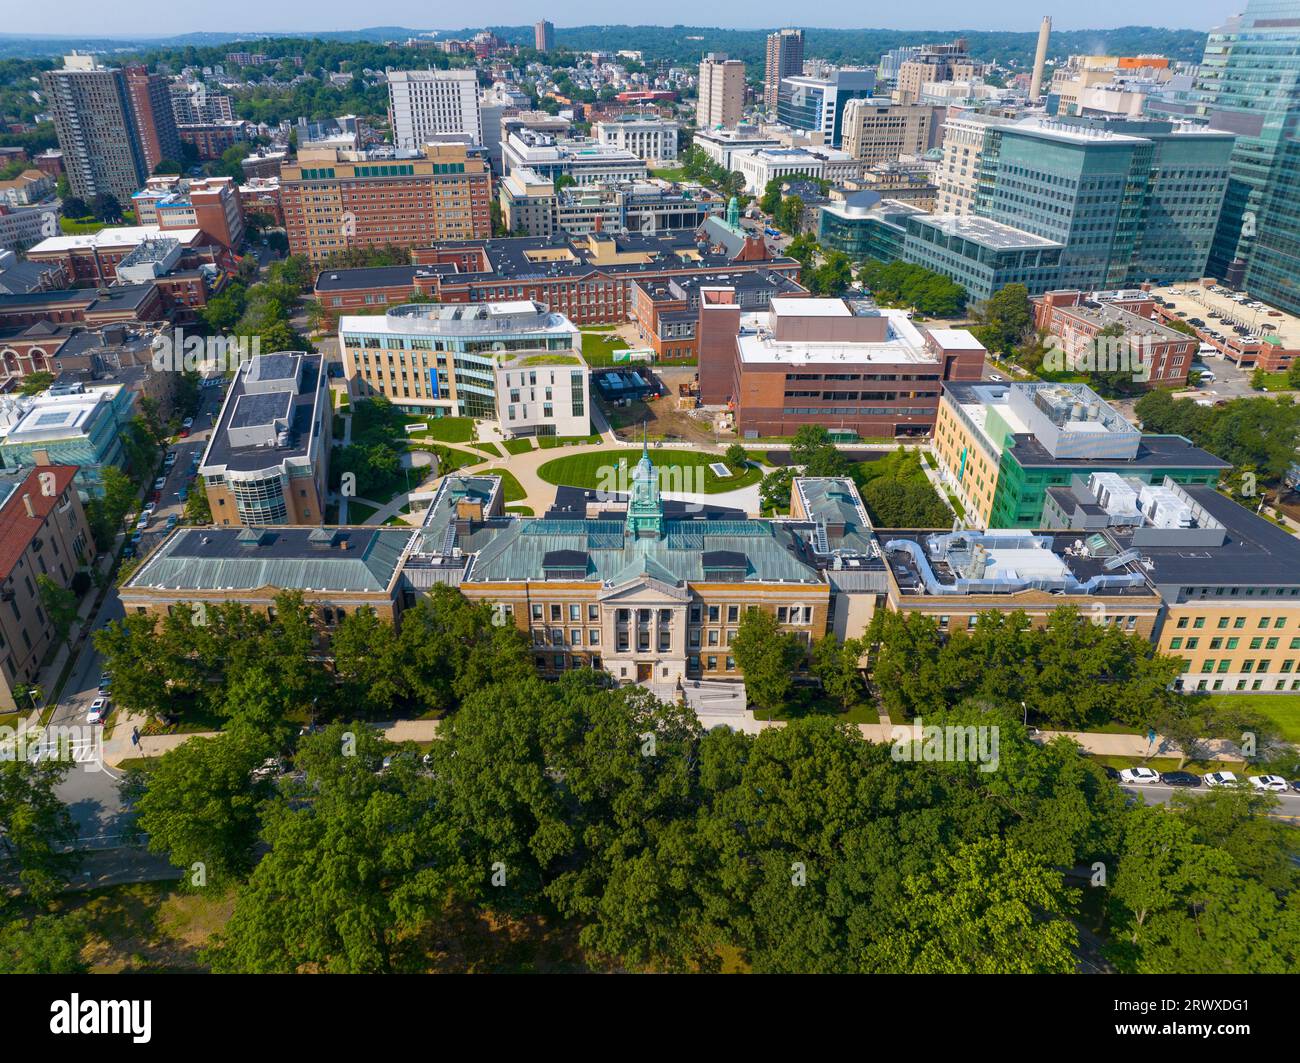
90	792
1160	794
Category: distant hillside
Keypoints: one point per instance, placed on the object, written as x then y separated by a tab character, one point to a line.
679	44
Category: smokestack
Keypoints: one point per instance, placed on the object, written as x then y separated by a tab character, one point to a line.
1040	58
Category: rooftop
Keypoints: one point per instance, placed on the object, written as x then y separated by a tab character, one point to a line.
361	559
989	233
17	529
114	236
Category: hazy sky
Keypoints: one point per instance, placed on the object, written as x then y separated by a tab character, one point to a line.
130	17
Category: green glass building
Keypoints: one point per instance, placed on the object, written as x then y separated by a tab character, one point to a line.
1249	84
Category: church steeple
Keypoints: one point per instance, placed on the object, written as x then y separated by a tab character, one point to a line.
645	512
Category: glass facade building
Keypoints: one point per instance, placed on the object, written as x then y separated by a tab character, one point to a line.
816	105
1249	84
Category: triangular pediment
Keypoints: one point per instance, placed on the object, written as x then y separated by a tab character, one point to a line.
644	589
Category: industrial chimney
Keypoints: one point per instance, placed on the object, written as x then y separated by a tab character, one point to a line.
1040	58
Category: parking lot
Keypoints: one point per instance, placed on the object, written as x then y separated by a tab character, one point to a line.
1238	326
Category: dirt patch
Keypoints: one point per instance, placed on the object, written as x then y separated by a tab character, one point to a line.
145	927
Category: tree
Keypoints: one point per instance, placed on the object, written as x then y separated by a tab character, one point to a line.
736	457
47	944
350	874
197	508
768	658
988	908
836	664
75	206
201	805
105	207
36	828
833	276
35	383
1006	317
366	659
61	606
804	249
774	491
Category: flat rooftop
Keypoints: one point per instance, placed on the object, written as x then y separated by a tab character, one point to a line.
903	340
262	396
114	236
987	232
1154	452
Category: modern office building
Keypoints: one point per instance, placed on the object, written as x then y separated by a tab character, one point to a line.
334	200
1274	271
784	58
95	123
1247	85
855	369
43	532
423	104
267	459
1129	201
544	393
443	359
647	137
1001	447
862	225
816	105
982	255
721	87
543	36
967	135
76	426
877	130
155	123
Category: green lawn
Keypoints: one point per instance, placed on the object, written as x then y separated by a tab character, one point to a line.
550	442
488	448
512	488
449	429
451	459
518	446
80	226
520	511
1275	382
359	512
599	468
598	350
672	173
1282	709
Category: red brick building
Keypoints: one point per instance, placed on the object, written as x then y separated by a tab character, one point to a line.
151	106
1076	318
858	372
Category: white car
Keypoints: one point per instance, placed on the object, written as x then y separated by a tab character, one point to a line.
1139	776
160	483
188	422
98	710
149	508
1221	778
1271	783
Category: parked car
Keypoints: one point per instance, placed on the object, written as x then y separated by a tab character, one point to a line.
1217	779
188	423
142	523
98	710
1139	776
105	683
170	460
149	508
1269	783
160	483
1180	778
135	540
170	523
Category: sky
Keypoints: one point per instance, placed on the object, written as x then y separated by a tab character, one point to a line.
132	17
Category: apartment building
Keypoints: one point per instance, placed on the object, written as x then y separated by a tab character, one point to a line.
336	199
784	58
721	88
543	36
155	122
855	369
27	189
95	123
195	104
267	460
43	532
651	138
211	204
443	359
1001	447
423	104
1158	355
877	130
935	62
